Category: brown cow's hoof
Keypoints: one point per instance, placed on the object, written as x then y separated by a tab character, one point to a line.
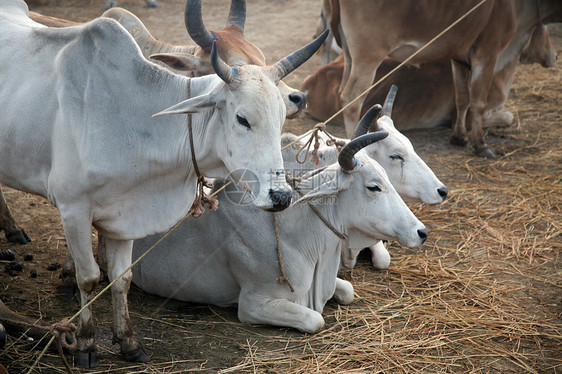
86	359
18	237
458	141
137	355
485	152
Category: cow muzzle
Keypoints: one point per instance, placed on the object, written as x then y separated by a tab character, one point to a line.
280	200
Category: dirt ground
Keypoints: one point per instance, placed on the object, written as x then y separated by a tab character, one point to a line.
494	248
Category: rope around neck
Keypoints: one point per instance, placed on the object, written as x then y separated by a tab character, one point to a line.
283	277
201	198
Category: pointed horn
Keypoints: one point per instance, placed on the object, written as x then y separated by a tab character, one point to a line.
365	122
286	65
195	27
237	14
346	158
389	101
220	67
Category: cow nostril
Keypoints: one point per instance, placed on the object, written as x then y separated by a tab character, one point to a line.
422	234
443	192
280	199
298	99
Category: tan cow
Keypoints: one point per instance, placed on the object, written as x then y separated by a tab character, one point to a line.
427	91
480	45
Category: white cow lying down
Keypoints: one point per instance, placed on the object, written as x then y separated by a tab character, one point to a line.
409	174
228	256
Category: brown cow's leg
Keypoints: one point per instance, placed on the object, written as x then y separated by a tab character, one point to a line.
481	79
118	255
356	84
461	76
7	223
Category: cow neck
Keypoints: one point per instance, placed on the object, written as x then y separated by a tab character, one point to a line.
201	198
294	181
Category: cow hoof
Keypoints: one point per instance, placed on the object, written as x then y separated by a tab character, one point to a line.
86	359
486	152
18	237
458	141
152	4
137	355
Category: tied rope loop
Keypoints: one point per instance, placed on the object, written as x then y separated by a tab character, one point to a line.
201	198
65	332
315	137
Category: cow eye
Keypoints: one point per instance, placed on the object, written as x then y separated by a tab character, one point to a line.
374	188
242	121
397	157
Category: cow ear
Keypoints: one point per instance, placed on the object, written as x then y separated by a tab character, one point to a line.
184	62
324	185
194	105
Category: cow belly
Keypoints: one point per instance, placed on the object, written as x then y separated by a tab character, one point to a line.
25	149
186	274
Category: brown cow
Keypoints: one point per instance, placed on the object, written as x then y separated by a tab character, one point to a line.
427	91
481	44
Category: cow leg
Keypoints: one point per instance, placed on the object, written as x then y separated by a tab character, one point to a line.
380	256
358	73
360	77
348	257
78	232
118	254
344	292
7	223
68	287
461	76
263	309
481	78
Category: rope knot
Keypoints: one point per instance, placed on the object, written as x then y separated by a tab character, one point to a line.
315	137
202	199
65	332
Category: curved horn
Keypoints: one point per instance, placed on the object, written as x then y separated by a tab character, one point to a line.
346	159
389	101
237	14
195	27
221	68
365	122
286	65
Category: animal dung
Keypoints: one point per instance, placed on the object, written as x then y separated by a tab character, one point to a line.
54	266
14	266
7	255
28	257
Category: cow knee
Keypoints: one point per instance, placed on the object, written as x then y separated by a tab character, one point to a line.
380	256
344	292
87	283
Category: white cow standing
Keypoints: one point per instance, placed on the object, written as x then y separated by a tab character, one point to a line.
77	128
409	174
232	251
